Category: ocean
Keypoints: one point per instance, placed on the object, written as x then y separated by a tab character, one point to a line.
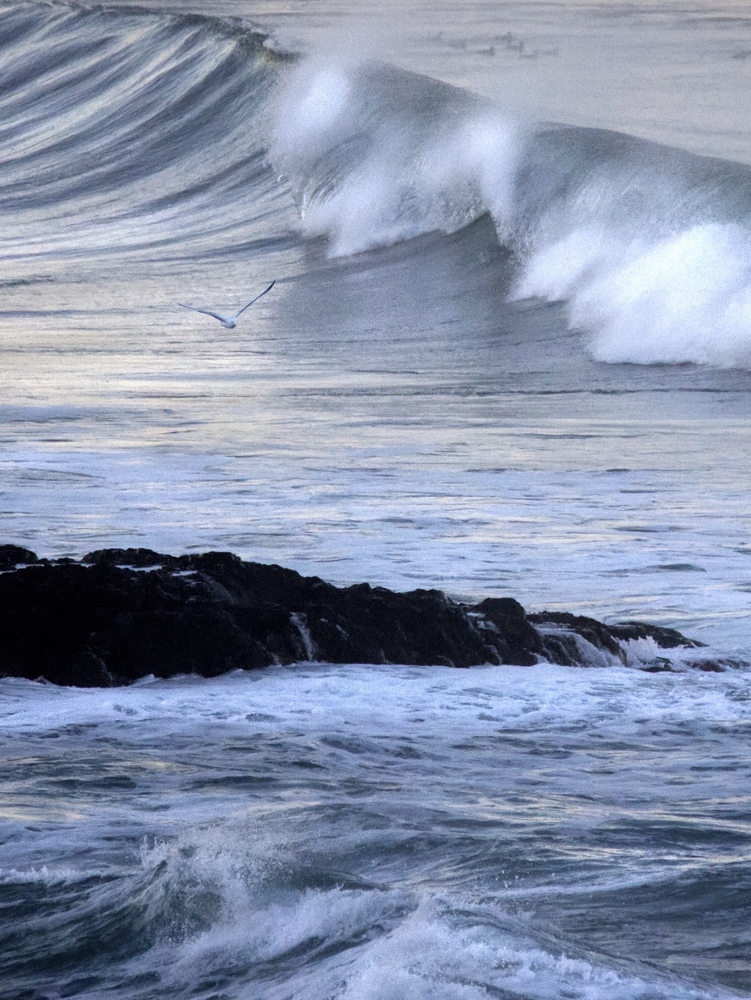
507	353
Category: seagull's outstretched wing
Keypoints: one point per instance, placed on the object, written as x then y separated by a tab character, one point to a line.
241	311
206	312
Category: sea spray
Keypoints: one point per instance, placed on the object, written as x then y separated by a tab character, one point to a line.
649	246
377	155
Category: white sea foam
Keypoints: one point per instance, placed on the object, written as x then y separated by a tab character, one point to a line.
474	953
683	298
369	170
385	701
377	155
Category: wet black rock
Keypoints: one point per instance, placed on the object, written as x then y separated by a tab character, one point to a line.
120	614
13	555
566	638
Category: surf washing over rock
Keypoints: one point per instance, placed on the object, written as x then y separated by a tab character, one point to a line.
122	614
650	246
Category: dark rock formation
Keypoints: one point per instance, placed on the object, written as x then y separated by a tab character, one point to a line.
120	614
562	631
13	555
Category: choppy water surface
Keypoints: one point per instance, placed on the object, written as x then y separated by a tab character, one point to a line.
381	833
507	352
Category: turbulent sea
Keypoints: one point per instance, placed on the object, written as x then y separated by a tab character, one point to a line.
508	352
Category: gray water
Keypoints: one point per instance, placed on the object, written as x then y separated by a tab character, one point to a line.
371	832
500	357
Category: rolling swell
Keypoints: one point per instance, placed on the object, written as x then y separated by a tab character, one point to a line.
650	246
126	131
142	134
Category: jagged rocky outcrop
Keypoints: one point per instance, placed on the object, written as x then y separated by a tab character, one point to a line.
120	614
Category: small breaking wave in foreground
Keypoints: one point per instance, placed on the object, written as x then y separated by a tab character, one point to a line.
363	832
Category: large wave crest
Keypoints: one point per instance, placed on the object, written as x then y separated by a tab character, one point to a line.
649	246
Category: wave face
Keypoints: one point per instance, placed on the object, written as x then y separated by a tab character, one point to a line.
135	132
650	246
124	131
377	154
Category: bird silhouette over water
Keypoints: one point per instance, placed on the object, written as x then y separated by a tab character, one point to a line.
230	322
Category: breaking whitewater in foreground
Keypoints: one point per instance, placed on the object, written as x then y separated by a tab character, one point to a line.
121	614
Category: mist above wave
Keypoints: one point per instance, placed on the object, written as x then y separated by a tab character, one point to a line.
376	154
650	246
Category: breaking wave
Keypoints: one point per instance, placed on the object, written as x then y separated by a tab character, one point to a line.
335	831
650	246
138	132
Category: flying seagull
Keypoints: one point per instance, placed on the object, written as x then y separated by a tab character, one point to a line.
230	322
